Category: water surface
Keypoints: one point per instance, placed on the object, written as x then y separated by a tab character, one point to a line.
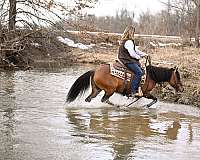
36	124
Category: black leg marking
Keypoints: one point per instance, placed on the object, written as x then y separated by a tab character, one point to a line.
105	98
92	95
133	102
149	96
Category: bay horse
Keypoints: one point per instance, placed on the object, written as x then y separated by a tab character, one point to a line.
101	79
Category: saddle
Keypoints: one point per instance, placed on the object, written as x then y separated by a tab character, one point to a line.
119	70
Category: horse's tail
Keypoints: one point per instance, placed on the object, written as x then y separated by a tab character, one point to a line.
80	86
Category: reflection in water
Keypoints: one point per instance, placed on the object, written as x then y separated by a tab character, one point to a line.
173	131
35	124
7	114
123	130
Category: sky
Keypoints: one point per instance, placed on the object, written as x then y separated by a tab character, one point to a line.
109	7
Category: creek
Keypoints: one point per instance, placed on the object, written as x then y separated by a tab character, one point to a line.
35	122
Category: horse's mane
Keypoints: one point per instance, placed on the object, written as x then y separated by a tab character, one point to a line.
160	74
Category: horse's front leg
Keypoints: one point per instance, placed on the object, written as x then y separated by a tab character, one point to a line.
109	102
149	96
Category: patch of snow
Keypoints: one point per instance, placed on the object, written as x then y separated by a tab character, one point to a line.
169	44
153	44
71	43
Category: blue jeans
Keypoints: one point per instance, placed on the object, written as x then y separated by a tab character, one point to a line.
135	68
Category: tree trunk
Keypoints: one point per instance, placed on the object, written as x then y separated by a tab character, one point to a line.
12	14
168	19
197	34
1	32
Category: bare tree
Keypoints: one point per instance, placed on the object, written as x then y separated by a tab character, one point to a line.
197	32
12	14
188	8
19	23
39	12
115	23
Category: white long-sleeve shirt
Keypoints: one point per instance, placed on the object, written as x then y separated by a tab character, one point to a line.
135	53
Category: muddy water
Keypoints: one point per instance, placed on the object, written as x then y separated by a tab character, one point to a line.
36	124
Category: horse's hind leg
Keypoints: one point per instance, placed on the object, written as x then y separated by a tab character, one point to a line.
95	92
93	95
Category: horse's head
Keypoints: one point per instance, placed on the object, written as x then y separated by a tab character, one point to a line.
175	80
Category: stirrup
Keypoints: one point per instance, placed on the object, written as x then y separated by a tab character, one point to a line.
140	93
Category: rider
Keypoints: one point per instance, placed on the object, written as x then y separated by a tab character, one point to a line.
129	55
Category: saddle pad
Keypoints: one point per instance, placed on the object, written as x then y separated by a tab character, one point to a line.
119	73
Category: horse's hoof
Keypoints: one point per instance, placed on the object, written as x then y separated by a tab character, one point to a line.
147	106
88	99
